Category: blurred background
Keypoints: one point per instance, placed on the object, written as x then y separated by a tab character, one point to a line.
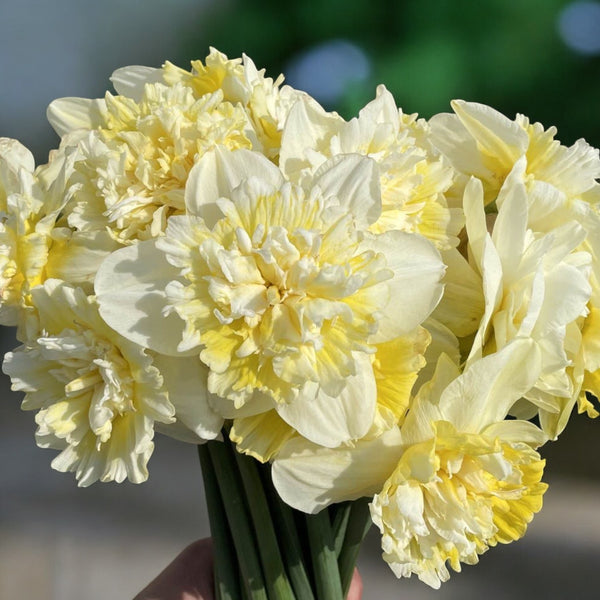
540	58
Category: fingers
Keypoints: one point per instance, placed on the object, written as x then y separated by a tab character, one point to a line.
188	577
356	587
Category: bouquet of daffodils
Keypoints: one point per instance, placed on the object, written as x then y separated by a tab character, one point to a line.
378	320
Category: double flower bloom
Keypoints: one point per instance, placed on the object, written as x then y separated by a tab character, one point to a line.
363	302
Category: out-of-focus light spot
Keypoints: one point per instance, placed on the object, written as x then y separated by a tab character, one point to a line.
326	70
579	27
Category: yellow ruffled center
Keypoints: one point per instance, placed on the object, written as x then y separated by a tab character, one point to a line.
95	382
133	174
451	498
280	293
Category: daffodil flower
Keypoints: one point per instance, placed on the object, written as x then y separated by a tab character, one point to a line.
481	142
535	286
99	395
281	291
455	479
412	176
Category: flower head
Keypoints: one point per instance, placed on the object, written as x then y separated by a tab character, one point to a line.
23	232
97	394
535	285
132	169
452	497
413	177
33	247
281	290
479	141
136	149
265	100
453	480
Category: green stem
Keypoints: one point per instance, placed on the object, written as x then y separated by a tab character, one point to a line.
227	585
276	579
290	542
232	493
339	524
324	559
358	525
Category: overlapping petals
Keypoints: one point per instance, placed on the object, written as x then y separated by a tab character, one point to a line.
413	176
453	481
97	394
381	307
280	290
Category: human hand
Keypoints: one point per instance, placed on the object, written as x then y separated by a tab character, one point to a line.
190	577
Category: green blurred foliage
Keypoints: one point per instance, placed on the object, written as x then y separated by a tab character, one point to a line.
507	54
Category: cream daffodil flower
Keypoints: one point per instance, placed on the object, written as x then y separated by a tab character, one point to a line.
453	481
281	291
534	286
23	239
136	149
412	176
549	208
561	187
99	395
481	142
132	168
266	101
33	247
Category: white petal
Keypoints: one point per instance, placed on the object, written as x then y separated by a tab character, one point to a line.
381	110
443	342
510	228
425	410
415	288
330	421
453	140
186	380
354	180
487	389
567	291
219	172
497	135
15	156
130	81
492	291
130	287
78	259
309	477
68	114
475	219
308	126
463	303
517	431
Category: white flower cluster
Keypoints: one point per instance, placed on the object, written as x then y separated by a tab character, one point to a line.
360	303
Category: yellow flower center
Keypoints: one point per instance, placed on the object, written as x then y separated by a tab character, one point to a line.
451	498
134	172
278	295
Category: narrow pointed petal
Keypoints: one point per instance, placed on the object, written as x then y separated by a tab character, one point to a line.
497	135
